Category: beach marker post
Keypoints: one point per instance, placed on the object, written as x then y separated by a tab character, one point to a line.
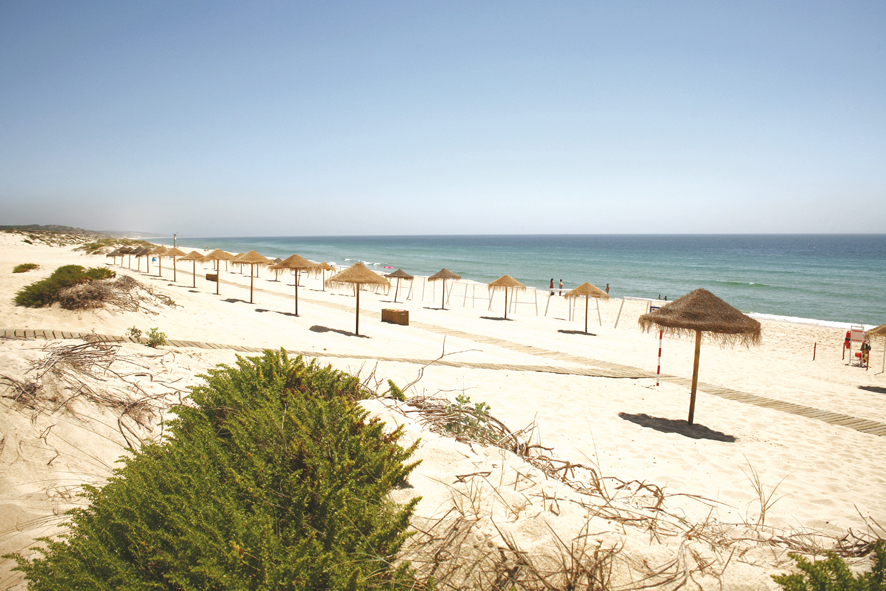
658	370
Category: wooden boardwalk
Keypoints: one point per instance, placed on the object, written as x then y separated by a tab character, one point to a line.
582	366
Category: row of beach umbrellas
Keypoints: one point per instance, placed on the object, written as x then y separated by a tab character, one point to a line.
695	314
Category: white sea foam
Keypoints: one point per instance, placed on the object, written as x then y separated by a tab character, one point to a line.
811	321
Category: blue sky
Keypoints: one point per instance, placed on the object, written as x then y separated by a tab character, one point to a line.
347	118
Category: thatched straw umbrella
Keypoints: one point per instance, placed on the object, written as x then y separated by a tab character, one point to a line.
138	253
218	255
114	254
879	333
127	250
399	274
443	275
320	269
701	311
297	264
158	250
504	282
195	257
357	275
252	259
588	291
173	253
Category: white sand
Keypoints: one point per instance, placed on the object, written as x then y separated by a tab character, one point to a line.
829	478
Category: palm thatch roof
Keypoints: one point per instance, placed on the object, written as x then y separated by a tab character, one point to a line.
357	274
140	252
193	256
219	255
251	258
879	332
505	282
587	290
295	262
702	311
174	252
115	253
157	250
443	275
399	274
126	249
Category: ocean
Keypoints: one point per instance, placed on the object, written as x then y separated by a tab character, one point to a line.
831	279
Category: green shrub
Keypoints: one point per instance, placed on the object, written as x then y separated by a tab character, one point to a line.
25	267
156	338
46	292
468	419
273	479
833	574
134	332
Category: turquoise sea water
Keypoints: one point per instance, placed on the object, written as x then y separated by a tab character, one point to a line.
821	277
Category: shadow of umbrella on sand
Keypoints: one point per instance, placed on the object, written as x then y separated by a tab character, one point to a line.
443	275
358	275
588	291
297	263
398	275
504	282
701	311
195	257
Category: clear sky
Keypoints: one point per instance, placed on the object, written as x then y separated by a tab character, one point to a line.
458	117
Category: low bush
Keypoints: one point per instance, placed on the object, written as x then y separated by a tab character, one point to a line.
156	338
272	479
25	267
49	291
833	574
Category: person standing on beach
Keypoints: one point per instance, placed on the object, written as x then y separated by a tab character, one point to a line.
552	286
607	288
561	287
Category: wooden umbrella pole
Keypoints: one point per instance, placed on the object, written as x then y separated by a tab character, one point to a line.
396	289
443	299
586	314
194	275
251	267
173	270
217	277
357	331
506	303
694	376
296	292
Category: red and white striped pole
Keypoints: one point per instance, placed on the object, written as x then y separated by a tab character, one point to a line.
658	371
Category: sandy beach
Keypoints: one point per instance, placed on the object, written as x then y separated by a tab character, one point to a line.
812	431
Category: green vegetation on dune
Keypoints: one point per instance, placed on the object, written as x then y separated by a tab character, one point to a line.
274	479
94	246
25	267
833	574
47	291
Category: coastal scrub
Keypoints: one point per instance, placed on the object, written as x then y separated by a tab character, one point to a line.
273	479
49	291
